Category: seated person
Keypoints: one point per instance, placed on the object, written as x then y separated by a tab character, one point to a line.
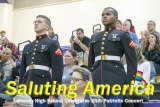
7	64
152	51
142	78
70	60
81	76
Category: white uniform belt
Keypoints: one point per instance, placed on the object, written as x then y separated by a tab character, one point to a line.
107	57
40	67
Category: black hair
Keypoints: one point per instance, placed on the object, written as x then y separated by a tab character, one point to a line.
80	29
114	11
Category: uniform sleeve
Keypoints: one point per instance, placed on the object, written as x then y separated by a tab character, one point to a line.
56	61
91	57
130	57
22	68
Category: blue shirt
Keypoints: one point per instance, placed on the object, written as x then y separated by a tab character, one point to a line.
78	105
134	37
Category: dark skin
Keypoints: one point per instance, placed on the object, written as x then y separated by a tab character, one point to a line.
109	18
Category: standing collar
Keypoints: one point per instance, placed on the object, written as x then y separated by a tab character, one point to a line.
41	36
109	29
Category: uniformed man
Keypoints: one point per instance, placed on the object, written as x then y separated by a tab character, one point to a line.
105	53
41	60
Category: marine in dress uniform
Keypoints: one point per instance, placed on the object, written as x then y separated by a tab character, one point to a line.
106	50
41	60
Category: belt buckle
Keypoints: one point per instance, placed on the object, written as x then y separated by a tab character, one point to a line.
31	66
103	57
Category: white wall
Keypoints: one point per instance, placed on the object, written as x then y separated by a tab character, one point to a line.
6	19
85	14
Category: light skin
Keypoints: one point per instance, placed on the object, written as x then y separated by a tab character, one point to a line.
78	40
40	26
126	26
118	26
69	60
108	18
152	42
6	55
4	41
3	34
77	78
10	104
150	26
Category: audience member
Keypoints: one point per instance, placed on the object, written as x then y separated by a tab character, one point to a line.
80	44
7	64
151	27
7	44
70	60
118	25
2	33
152	50
132	28
142	78
52	35
126	27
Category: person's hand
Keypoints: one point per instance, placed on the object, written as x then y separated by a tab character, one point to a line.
66	102
17	80
51	97
71	41
151	47
146	33
13	63
77	40
142	35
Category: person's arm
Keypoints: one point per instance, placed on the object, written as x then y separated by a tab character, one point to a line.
72	44
22	68
129	49
56	61
83	46
155	57
91	57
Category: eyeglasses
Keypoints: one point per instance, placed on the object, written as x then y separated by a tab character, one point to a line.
37	21
75	79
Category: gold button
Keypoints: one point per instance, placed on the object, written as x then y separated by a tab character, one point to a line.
36	45
32	62
105	34
110	28
34	53
34	49
103	38
36	41
102	43
102	48
102	53
32	57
